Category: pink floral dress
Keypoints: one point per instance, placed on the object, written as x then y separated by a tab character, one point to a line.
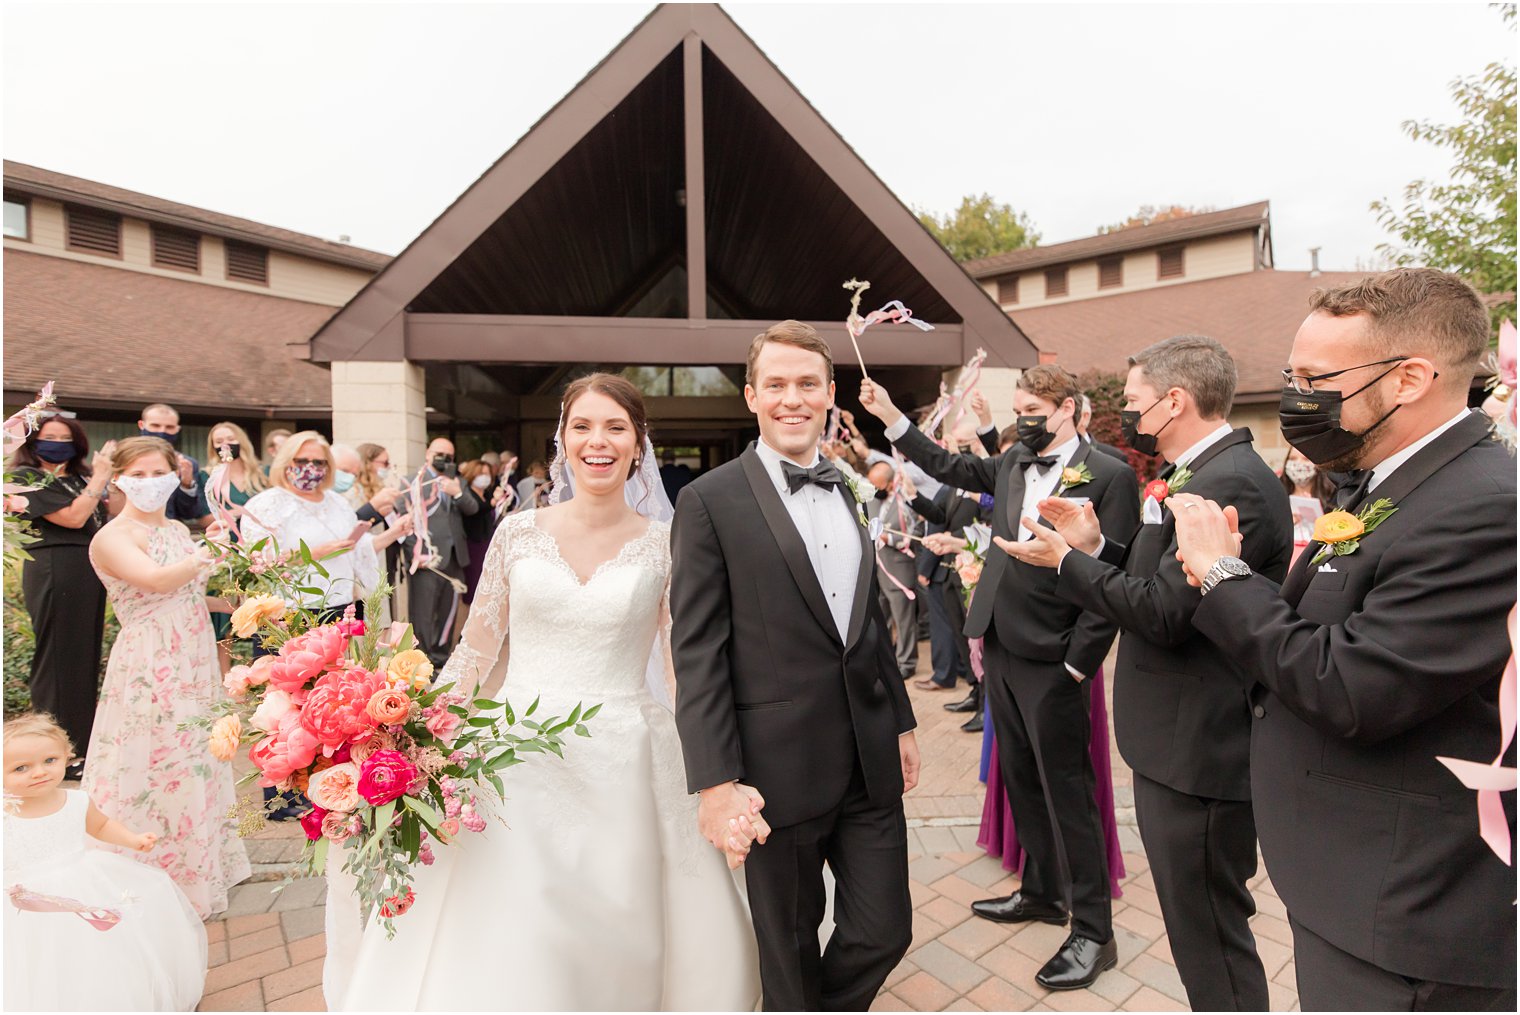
144	771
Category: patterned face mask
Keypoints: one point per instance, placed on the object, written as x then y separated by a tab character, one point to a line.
306	478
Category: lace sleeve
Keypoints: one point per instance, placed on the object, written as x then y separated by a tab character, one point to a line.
664	647
483	642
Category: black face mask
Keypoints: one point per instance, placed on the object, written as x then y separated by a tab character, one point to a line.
1312	423
881	494
444	465
55	451
1129	425
1033	433
172	438
233	449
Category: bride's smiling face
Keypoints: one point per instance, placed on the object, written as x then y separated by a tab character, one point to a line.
601	444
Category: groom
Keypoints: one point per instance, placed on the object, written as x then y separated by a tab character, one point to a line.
788	695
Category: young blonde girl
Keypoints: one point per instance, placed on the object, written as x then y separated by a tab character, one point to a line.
85	929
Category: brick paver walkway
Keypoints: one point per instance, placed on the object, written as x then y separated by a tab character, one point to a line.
266	952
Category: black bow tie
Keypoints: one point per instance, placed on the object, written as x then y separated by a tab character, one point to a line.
1043	462
1352	488
821	474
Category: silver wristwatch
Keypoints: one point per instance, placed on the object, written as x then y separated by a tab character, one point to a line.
1224	569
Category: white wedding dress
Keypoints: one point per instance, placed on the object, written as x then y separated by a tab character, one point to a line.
594	889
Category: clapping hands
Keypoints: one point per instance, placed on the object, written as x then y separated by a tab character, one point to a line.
729	818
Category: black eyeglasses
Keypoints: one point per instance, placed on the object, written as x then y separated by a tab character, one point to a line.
1304	385
301	463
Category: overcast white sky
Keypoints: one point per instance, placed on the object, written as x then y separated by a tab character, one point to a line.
369	119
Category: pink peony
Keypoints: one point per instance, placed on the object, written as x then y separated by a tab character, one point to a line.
286	751
305	657
443	725
335	788
311	823
258	673
275	706
385	776
336	710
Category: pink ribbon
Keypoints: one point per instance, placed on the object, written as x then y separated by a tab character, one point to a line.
1492	779
892	578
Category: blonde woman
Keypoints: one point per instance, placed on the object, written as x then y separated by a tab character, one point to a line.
301	506
145	771
245	470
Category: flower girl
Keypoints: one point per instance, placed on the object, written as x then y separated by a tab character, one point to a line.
85	929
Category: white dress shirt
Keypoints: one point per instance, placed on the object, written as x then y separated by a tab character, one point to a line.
1382	470
830	531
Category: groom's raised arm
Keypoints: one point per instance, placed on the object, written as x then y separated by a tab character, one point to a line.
700	646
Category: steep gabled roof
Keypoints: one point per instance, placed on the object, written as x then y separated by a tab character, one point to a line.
500	254
1214	223
59	186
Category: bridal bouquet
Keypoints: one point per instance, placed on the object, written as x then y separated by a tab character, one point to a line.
970	561
348	716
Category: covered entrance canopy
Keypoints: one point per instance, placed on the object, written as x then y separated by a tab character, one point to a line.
682	198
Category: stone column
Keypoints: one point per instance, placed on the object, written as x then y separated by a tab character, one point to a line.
383	403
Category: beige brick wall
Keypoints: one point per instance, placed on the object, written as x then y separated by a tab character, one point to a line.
291	276
1211	257
384	403
1262	419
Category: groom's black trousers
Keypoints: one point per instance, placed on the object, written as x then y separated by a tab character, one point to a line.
866	847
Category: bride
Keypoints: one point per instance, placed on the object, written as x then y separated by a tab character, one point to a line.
593	890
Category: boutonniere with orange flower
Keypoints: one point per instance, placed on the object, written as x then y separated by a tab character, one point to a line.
1341	532
1074	476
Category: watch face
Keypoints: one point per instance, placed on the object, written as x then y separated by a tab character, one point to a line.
1233	566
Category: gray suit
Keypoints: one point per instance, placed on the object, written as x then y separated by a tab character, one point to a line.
431	599
901	566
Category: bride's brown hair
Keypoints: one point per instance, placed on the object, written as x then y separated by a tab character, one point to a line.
621	391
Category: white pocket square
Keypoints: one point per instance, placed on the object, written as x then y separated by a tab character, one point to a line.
1327	569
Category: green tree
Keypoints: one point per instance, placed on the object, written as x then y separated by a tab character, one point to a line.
981	227
1150	214
1466	225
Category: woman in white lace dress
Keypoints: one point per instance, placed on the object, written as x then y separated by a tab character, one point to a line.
593	891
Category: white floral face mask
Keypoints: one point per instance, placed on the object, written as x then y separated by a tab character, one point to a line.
148	493
1300	472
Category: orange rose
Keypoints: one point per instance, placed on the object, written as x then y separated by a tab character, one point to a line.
389	705
1337	527
411	669
226	734
247	618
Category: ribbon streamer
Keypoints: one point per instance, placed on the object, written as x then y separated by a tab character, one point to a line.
965	382
892	312
1492	779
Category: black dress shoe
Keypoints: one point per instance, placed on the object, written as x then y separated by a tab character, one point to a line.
1019	908
1077	964
966	704
974	724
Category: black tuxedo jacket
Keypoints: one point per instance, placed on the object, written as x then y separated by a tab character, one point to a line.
1366	668
950	512
1032	621
1181	716
766	691
1108	449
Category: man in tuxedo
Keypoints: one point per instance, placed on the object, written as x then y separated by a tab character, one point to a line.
1181	716
432	601
1083	420
788	696
1039	651
1378	655
896	557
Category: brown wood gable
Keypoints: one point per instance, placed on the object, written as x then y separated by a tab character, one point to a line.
382	323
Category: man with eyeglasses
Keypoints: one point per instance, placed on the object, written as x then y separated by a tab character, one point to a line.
1382	651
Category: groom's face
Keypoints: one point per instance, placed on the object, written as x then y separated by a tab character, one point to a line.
791	398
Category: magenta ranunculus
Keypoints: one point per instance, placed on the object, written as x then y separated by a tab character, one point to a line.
385	776
311	823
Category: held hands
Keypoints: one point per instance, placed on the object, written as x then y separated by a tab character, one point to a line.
1205	532
729	817
875	400
981	408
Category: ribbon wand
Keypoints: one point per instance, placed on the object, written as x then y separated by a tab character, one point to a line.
856	288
